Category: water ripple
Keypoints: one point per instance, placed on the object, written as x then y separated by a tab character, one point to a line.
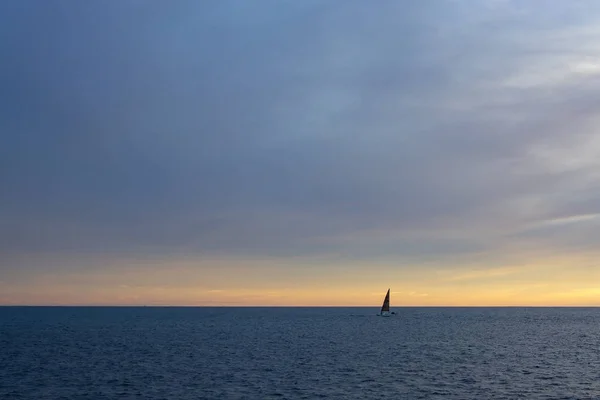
299	353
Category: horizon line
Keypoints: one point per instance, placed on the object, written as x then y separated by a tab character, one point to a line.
284	306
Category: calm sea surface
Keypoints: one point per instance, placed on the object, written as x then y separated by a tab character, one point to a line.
299	353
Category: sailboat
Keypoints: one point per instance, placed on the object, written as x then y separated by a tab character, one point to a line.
385	308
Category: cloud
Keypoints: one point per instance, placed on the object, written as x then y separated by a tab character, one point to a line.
407	131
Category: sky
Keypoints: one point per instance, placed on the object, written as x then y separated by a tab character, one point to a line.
315	152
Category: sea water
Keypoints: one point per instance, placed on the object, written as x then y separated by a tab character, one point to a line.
298	353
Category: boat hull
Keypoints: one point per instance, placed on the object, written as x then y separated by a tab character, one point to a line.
384	314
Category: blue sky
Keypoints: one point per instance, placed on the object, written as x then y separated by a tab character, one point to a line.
422	136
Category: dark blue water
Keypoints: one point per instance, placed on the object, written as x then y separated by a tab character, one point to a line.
299	353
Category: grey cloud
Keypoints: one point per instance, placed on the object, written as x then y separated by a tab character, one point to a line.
272	128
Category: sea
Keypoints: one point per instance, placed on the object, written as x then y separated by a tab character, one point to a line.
190	353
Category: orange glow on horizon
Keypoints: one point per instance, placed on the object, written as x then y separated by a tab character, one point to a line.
233	282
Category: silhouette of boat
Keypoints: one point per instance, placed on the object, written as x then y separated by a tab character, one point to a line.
385	308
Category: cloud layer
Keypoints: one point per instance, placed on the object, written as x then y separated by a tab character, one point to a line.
398	131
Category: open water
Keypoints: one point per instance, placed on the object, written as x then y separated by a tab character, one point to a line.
298	353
